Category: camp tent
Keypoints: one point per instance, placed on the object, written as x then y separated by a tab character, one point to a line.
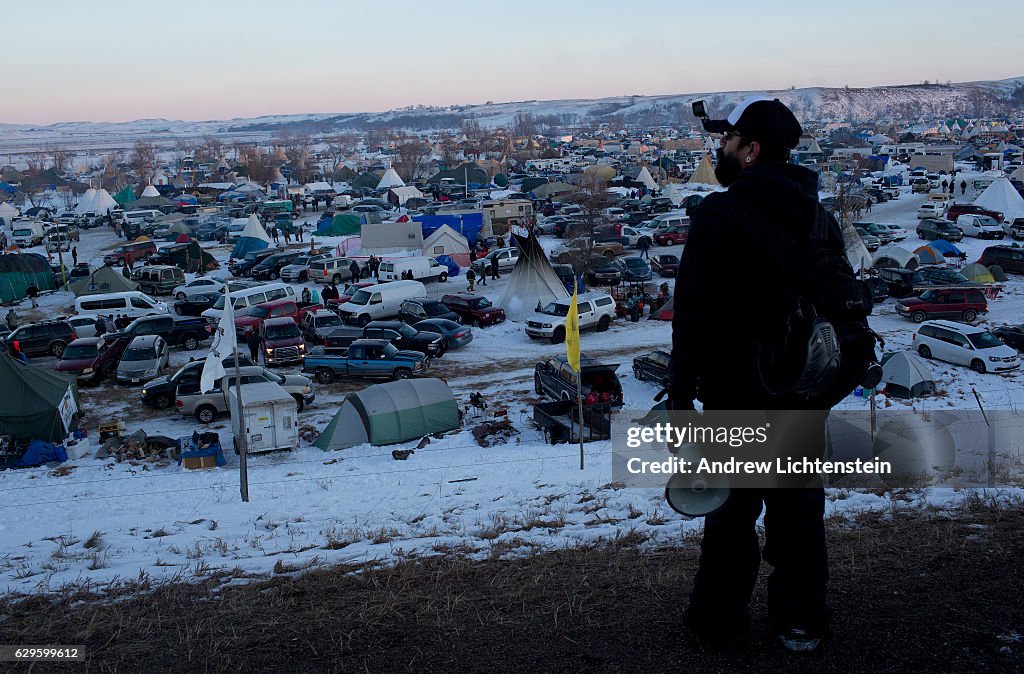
191	258
1001	197
392	238
446	241
705	173
929	255
18	271
905	376
103	280
533	280
553	190
978	273
895	256
125	197
254	237
399	195
856	252
8	213
40	404
341	224
946	248
390	179
647	179
150	191
385	414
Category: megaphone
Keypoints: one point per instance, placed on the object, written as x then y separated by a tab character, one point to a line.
692	494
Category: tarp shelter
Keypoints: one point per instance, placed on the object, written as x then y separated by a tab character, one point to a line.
155	202
895	256
254	237
385	414
341	224
103	280
391	238
39	452
446	241
533	280
978	273
930	255
191	258
18	271
705	173
125	197
390	179
905	376
466	224
553	190
1001	197
40	404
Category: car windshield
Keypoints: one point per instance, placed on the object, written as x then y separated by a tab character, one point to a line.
435	309
274	377
986	221
556	309
360	297
928	296
479	303
283	331
75	352
984	340
258	312
389	350
328	321
636	264
406	330
143	353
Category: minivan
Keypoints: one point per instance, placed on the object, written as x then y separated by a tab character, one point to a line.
160	279
142	215
422	268
380	301
661	223
249	297
977	348
131	303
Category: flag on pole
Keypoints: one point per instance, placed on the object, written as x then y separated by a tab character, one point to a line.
572	334
225	343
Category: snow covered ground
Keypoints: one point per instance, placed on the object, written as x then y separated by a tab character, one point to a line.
99	521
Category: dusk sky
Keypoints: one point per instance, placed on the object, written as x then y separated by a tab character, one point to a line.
118	61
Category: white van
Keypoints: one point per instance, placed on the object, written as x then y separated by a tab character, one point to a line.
131	303
248	297
663	221
981	226
380	301
422	268
142	215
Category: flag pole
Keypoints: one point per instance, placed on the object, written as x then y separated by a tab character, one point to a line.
579	399
243	444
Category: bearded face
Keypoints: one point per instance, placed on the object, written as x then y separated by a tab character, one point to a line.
728	167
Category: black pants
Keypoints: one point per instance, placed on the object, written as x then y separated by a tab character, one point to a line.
795	546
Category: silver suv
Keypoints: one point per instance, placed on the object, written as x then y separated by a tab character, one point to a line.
298	270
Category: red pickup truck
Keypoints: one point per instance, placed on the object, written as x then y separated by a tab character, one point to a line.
254	316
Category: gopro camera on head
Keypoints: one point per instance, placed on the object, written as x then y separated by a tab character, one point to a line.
700	110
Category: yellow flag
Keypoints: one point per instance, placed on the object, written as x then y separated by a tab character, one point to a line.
572	335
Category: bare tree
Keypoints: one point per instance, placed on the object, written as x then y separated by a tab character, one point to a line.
33	191
471	129
524	124
67	198
592	197
143	160
449	150
413	158
210	148
60	157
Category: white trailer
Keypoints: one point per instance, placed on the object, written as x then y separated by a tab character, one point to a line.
269	415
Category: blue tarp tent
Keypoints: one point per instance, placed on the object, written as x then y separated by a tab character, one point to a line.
254	237
40	452
466	224
946	248
453	269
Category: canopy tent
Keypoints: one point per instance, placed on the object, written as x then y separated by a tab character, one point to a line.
895	256
125	196
930	255
341	224
19	271
103	280
150	191
446	241
647	179
385	414
946	248
390	179
905	376
254	237
1001	197
40	404
533	280
705	173
978	273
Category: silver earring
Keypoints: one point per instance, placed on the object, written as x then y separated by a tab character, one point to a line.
748	160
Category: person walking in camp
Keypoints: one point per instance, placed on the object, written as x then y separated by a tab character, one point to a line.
755	363
484	271
74	255
330	293
494	268
945	185
307	296
644	245
122	322
252	340
110	323
470	278
32	292
963	187
354	270
101	326
867	205
11	319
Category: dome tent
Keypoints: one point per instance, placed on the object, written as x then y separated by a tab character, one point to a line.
18	271
929	255
905	376
342	224
978	273
895	256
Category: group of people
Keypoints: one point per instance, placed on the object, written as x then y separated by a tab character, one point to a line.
275	233
106	324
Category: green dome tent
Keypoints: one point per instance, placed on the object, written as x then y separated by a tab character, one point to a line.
103	280
342	224
40	404
385	414
18	271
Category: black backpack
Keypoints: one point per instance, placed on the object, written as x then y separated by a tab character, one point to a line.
815	345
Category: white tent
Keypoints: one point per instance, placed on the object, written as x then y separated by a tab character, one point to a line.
392	238
319	187
675	192
705	173
446	241
150	191
856	252
103	202
533	281
85	203
647	179
8	212
905	376
254	229
403	194
1001	197
894	256
1018	174
390	179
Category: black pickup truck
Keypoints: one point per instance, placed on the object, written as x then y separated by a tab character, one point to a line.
185	332
556	379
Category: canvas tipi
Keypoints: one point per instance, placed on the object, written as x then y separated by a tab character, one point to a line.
705	173
254	237
390	179
150	191
533	280
647	179
1001	197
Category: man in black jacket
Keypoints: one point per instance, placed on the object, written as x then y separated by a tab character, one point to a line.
716	328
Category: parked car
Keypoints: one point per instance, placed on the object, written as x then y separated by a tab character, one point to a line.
188	333
206	406
931	229
980	226
556	379
941	276
455	334
963	303
365	358
956	210
415	310
901	282
655	367
595	309
474	309
1011	335
144	359
160	279
968	345
297	271
507	258
244	266
345	296
931	209
672	236
1015	229
871	242
88	358
1010	258
161	392
634	269
195	305
603	272
43	338
666	265
405	336
316	325
898	233
251	318
201	284
282	341
270	267
884	234
879	289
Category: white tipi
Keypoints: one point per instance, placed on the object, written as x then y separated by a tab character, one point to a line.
150	191
390	179
647	179
1002	198
533	281
705	173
